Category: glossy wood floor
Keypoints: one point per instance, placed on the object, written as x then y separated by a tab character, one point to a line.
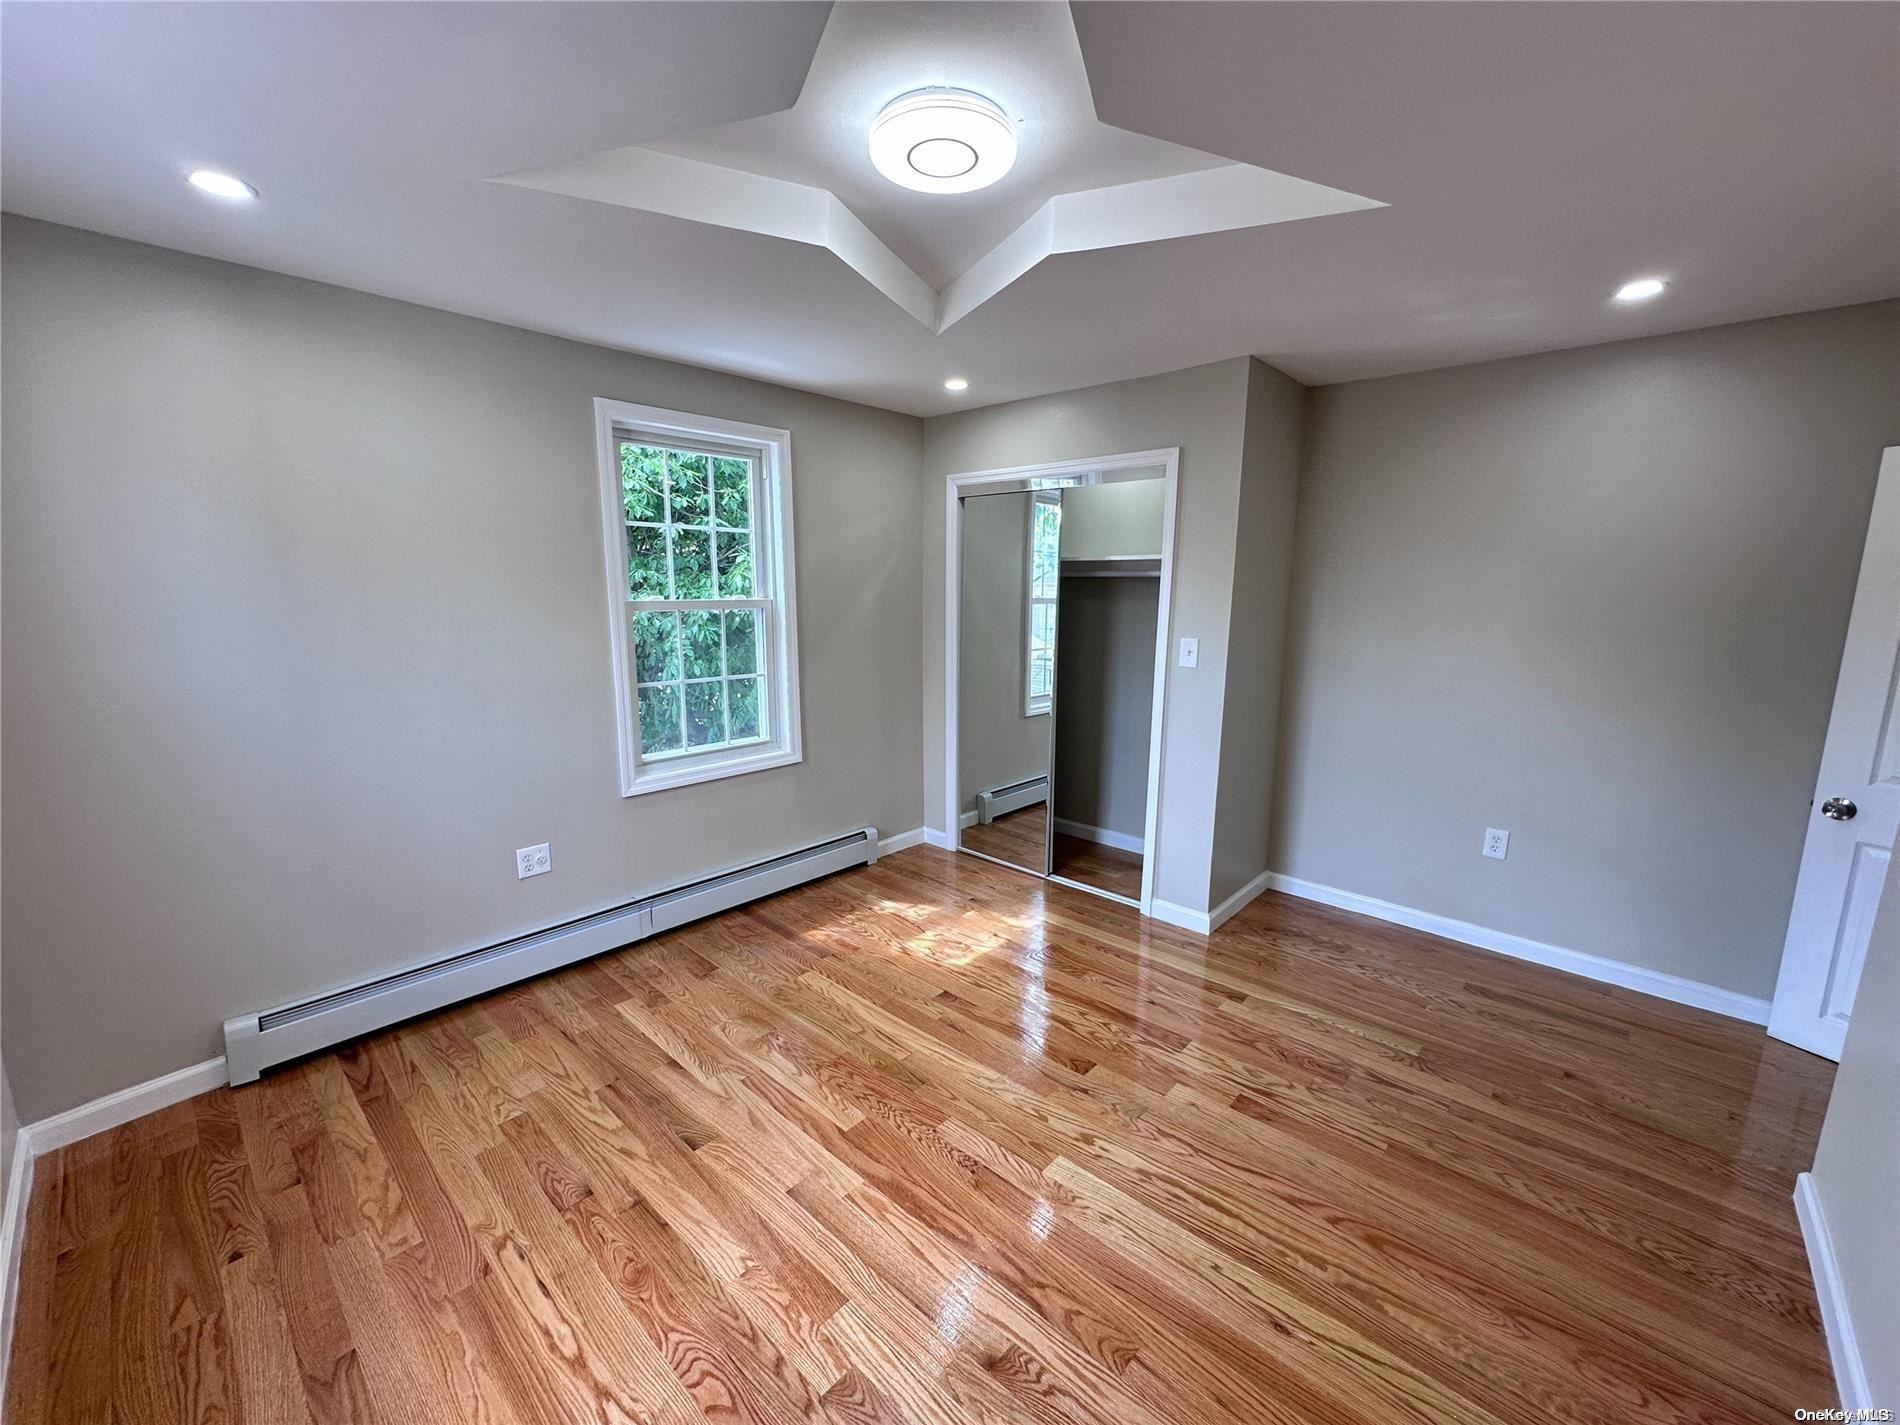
1106	867
933	1142
1018	837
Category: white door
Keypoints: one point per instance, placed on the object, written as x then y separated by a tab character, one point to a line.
1856	802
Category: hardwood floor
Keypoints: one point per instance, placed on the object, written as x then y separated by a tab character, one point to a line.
934	1142
1017	837
1106	867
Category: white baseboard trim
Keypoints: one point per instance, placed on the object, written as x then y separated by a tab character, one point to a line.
967	819
1576	962
1843	1347
1240	899
942	840
903	841
19	1190
1206	922
123	1106
1100	835
1168	911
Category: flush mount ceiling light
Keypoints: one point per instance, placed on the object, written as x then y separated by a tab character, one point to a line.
1642	289
956	383
220	185
942	141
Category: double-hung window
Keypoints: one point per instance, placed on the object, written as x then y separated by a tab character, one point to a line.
1041	583
699	560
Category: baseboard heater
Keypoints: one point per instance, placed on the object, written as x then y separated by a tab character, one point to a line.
256	1042
997	801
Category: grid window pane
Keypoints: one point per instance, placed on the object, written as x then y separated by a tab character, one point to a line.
742	640
692	563
735	564
701	644
643	483
691	528
705	713
732	493
742	702
656	647
660	729
689	481
1045	550
646	561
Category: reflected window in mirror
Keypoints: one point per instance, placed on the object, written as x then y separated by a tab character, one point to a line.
1041	588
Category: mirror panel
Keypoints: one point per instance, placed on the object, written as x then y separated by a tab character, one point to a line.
1006	674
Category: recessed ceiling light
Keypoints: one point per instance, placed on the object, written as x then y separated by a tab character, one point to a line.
1642	289
943	141
956	383
221	185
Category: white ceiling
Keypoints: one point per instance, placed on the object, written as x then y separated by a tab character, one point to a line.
805	174
1533	157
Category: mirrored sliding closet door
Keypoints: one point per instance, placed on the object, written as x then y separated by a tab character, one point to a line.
1059	647
1007	674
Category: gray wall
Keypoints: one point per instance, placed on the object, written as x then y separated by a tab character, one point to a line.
1256	655
1596	597
1105	661
997	744
305	633
1857	1166
1202	410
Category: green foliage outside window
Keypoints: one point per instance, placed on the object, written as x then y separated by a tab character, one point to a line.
690	536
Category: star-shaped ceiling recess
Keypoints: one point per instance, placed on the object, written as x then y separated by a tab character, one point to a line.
805	174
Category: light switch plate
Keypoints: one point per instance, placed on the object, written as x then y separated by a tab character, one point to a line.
1190	653
533	861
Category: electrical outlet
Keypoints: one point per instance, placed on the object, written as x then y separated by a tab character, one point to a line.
533	861
1497	844
1190	653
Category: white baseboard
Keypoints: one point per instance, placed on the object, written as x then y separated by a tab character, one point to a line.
942	840
1577	962
1195	920
1850	1370
903	841
1100	835
967	819
123	1106
19	1189
1206	922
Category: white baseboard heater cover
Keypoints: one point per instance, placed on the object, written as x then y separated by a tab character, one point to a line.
256	1042
998	801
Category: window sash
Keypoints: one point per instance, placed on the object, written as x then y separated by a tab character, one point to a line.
766	674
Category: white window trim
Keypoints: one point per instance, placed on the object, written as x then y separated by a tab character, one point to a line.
1034	706
774	556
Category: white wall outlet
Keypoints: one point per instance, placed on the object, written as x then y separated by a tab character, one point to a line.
533	861
1190	653
1497	844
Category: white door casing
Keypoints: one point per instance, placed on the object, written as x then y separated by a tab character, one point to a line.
1856	806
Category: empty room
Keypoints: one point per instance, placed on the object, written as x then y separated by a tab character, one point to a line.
949	713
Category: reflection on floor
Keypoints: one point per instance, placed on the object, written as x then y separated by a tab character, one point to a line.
1016	837
1094	864
933	1141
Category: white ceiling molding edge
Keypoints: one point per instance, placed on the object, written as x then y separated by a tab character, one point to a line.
1211	200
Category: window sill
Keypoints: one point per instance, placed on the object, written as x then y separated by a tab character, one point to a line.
662	776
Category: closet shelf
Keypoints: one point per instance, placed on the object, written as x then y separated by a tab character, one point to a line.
1113	566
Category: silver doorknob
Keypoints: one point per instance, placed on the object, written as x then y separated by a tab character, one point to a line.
1839	809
